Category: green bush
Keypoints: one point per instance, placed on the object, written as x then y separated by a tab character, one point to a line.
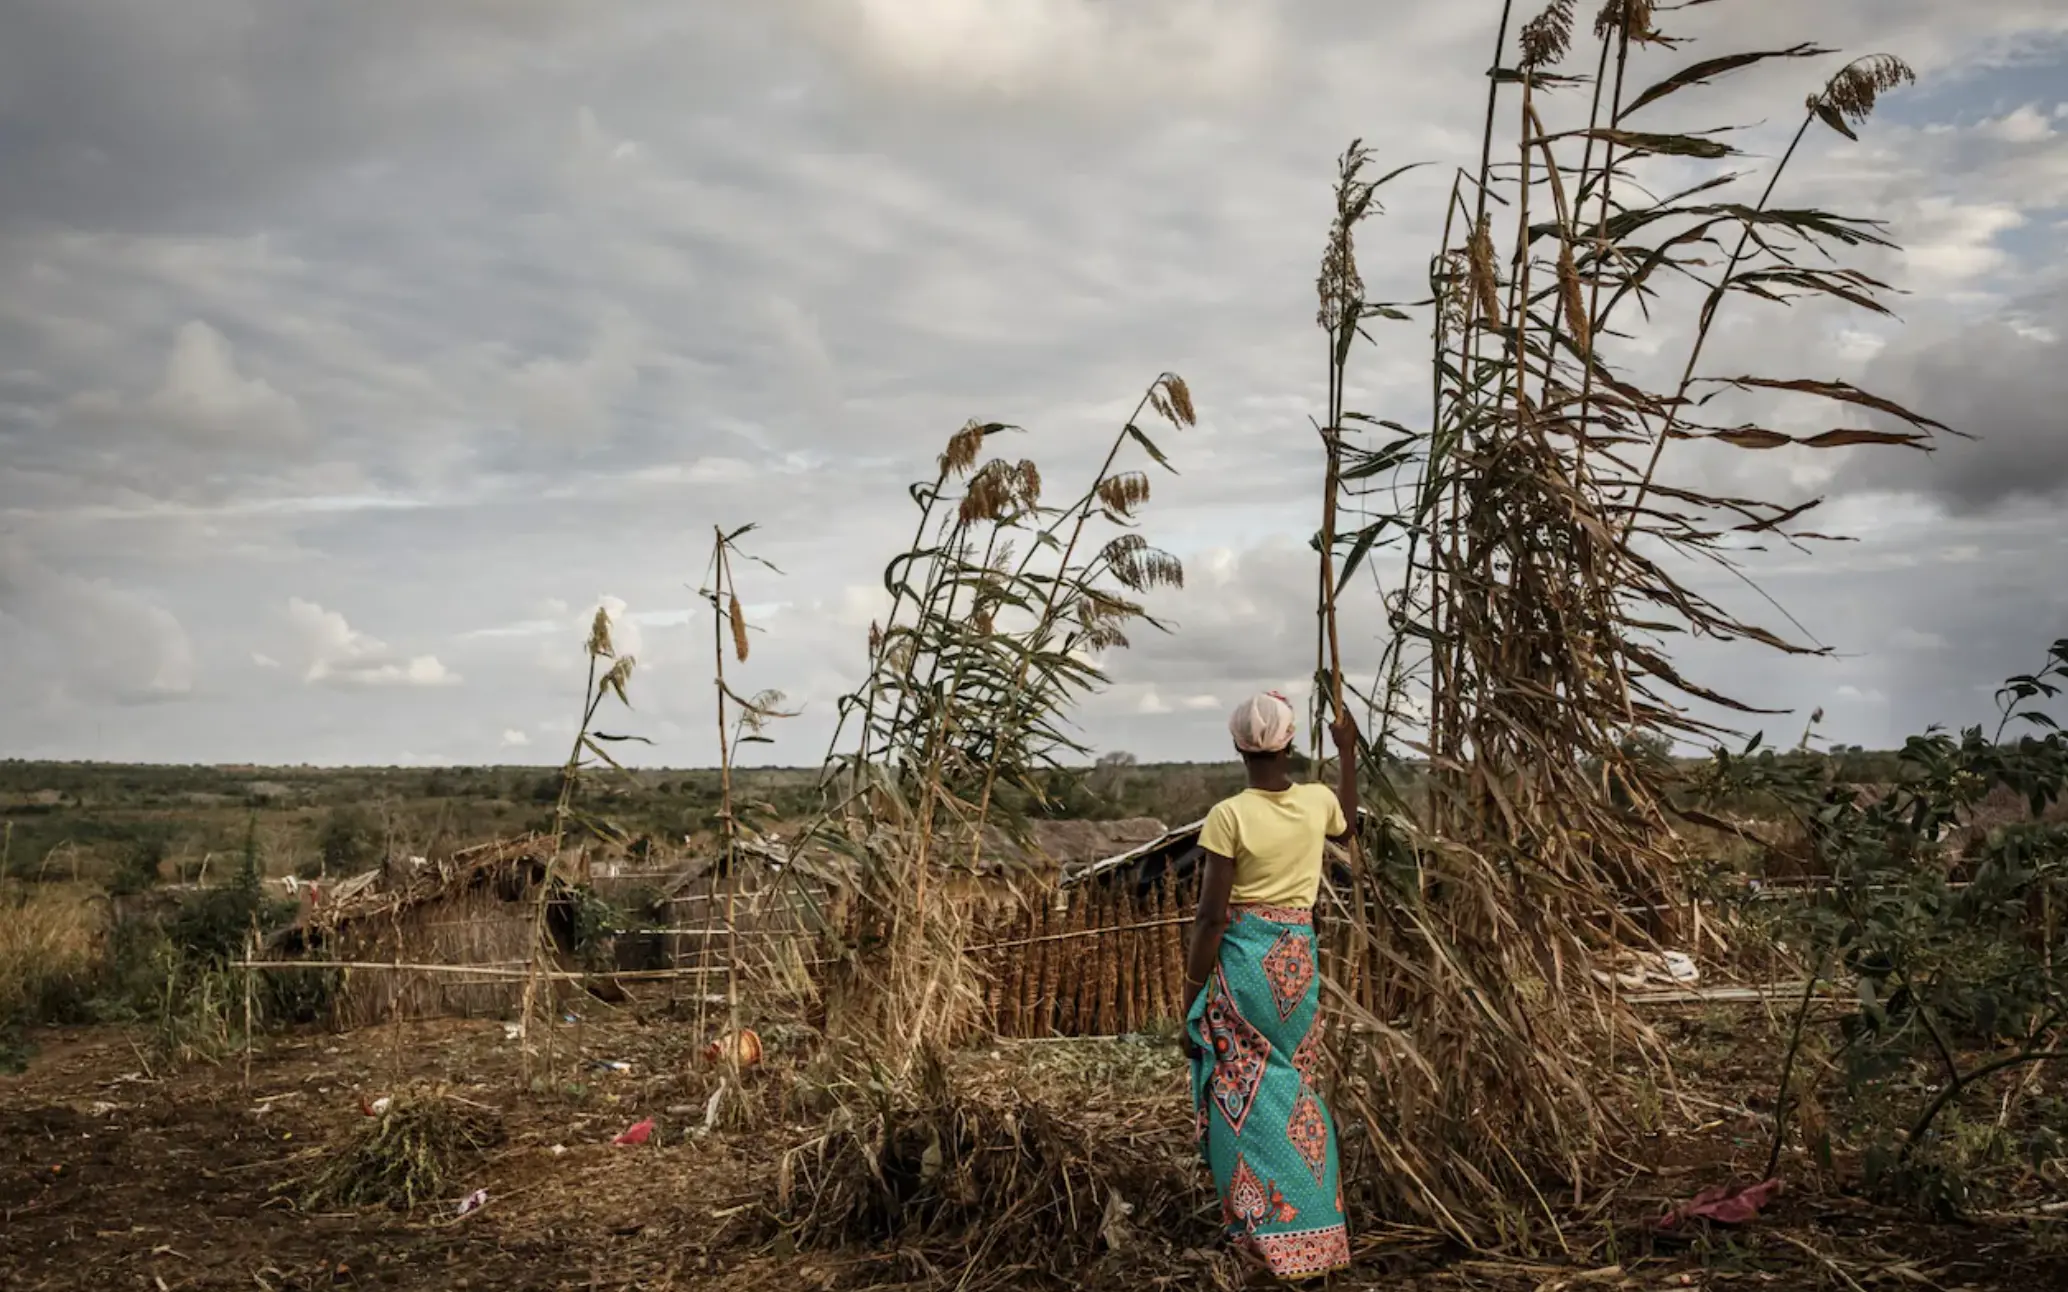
140	868
1959	974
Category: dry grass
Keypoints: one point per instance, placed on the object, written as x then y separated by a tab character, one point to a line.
410	1153
987	1176
51	942
1002	606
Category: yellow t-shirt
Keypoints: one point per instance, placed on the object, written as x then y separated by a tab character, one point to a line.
1275	840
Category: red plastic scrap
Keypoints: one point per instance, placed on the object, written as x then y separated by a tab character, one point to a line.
1724	1204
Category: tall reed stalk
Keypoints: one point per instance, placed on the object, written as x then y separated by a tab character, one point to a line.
608	674
1000	611
1538	548
741	720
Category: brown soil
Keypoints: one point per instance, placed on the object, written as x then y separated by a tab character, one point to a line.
119	1172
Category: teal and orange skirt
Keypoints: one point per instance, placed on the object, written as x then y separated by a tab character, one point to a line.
1263	1128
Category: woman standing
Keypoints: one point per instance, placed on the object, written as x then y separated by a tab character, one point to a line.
1253	980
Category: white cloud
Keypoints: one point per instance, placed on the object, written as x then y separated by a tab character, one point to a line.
340	655
1912	639
2026	125
1949	243
515	739
264	660
85	640
1016	48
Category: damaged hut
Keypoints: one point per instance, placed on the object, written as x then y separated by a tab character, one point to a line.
1106	955
422	938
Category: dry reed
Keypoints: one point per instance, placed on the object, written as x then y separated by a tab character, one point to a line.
1532	579
51	938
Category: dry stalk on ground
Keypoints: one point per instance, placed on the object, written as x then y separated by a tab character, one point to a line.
999	1179
412	1152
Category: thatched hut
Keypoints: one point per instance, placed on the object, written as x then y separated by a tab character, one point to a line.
1105	953
458	932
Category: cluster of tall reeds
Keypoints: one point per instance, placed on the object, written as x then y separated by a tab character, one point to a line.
1533	557
1001	609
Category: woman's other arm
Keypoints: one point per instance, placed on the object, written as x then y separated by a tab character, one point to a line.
1344	729
1203	946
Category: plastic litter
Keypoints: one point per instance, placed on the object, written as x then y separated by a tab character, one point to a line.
1724	1204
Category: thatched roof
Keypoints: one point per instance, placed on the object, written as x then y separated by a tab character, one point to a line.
1069	845
514	865
1174	851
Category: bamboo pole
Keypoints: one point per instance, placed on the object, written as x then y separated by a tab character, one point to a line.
1041	997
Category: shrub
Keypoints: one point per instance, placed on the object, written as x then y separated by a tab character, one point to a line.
1956	960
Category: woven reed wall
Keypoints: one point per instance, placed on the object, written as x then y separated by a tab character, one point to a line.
1098	960
475	928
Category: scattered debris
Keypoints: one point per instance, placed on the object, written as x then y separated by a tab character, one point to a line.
1640	969
1723	1204
747	1047
637	1133
473	1202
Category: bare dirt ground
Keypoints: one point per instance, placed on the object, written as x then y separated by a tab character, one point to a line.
118	1171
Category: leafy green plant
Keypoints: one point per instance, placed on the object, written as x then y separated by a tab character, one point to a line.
140	869
1954	957
349	842
594	922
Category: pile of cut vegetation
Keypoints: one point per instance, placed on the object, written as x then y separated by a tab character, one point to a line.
1003	1176
410	1151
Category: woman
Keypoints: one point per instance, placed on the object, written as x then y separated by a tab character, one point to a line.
1253	980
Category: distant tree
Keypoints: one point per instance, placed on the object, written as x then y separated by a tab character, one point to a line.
546	789
139	869
1109	777
348	842
1648	746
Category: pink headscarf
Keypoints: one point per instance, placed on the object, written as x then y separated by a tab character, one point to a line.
1263	724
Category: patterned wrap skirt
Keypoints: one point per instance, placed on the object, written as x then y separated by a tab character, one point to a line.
1263	1129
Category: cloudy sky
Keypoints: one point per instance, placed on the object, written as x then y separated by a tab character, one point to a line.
352	354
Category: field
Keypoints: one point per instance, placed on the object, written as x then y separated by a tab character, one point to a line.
138	1154
88	821
118	1173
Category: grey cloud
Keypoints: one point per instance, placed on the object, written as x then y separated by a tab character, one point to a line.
84	641
2005	384
552	289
